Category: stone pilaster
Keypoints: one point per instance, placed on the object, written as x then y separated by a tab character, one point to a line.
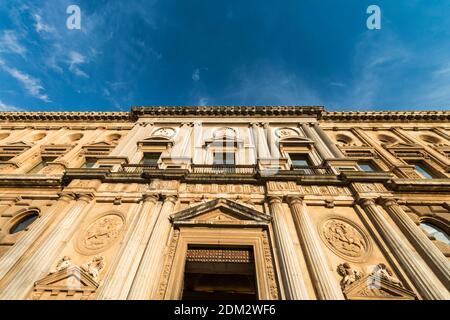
420	274
294	284
328	142
431	254
274	144
262	148
40	261
146	282
322	149
326	285
442	160
180	146
30	158
118	281
127	147
12	256
391	159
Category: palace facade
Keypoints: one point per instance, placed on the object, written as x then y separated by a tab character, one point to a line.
276	202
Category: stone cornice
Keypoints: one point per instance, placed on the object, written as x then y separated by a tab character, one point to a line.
226	111
64	116
382	116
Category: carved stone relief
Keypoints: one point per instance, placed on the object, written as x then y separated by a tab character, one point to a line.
100	234
349	275
164	132
286	132
345	238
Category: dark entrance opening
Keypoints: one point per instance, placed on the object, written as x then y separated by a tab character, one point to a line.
219	273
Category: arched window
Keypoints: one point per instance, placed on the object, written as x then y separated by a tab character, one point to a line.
23	223
435	232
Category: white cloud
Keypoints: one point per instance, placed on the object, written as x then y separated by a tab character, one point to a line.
32	85
8	107
40	26
75	59
265	83
9	42
196	75
203	101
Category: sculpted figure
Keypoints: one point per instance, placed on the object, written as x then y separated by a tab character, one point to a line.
382	271
349	275
94	267
63	264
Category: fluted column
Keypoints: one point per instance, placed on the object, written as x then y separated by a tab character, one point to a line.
118	281
431	254
12	256
294	284
41	260
329	143
419	273
326	285
145	283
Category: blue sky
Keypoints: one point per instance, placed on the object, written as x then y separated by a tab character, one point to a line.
224	52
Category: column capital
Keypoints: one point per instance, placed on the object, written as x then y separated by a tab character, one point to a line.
87	197
67	196
150	197
365	202
275	199
387	202
294	199
169	198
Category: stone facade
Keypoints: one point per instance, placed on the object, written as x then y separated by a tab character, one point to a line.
325	205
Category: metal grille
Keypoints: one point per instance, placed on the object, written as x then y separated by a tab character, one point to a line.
219	255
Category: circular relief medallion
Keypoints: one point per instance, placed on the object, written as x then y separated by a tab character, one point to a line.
101	233
286	132
345	238
164	132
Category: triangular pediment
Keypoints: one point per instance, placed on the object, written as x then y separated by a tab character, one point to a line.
100	144
403	145
220	212
366	289
18	144
72	278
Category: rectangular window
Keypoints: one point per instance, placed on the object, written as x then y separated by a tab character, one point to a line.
6	158
151	158
45	161
420	168
299	160
367	166
221	158
89	163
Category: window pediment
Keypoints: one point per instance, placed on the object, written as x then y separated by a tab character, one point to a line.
220	212
156	141
98	148
15	148
296	141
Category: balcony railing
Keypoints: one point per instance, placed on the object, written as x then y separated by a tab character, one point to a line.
312	170
137	168
223	169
